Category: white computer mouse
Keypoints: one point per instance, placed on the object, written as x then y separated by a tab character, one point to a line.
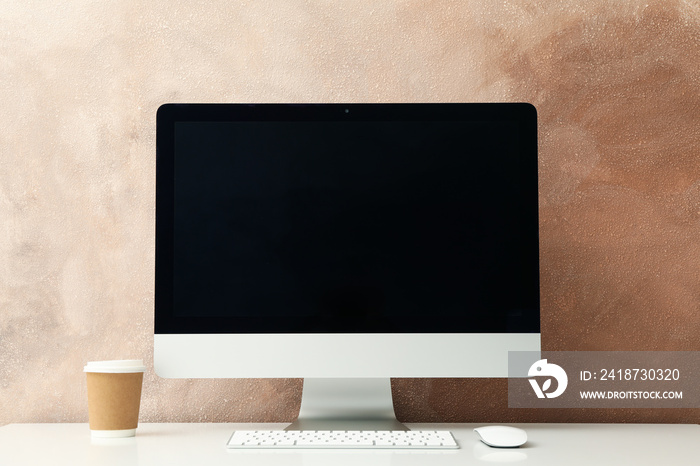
501	436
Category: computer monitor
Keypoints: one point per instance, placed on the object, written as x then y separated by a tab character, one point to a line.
346	245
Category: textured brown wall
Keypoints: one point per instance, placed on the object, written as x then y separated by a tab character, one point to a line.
616	84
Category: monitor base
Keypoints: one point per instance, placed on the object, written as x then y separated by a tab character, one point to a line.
346	404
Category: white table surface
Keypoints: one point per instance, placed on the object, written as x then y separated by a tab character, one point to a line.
204	444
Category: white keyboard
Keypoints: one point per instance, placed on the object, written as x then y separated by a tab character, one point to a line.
412	439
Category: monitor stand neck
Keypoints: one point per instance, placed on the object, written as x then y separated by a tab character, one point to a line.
346	404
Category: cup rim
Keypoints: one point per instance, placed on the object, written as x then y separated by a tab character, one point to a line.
116	366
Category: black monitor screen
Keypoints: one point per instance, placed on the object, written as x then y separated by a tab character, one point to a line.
358	218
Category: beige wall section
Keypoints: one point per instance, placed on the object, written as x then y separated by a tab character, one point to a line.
617	85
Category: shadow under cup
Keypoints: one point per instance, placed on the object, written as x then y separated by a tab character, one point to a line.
114	397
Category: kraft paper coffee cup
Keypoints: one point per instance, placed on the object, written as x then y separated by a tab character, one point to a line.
114	396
